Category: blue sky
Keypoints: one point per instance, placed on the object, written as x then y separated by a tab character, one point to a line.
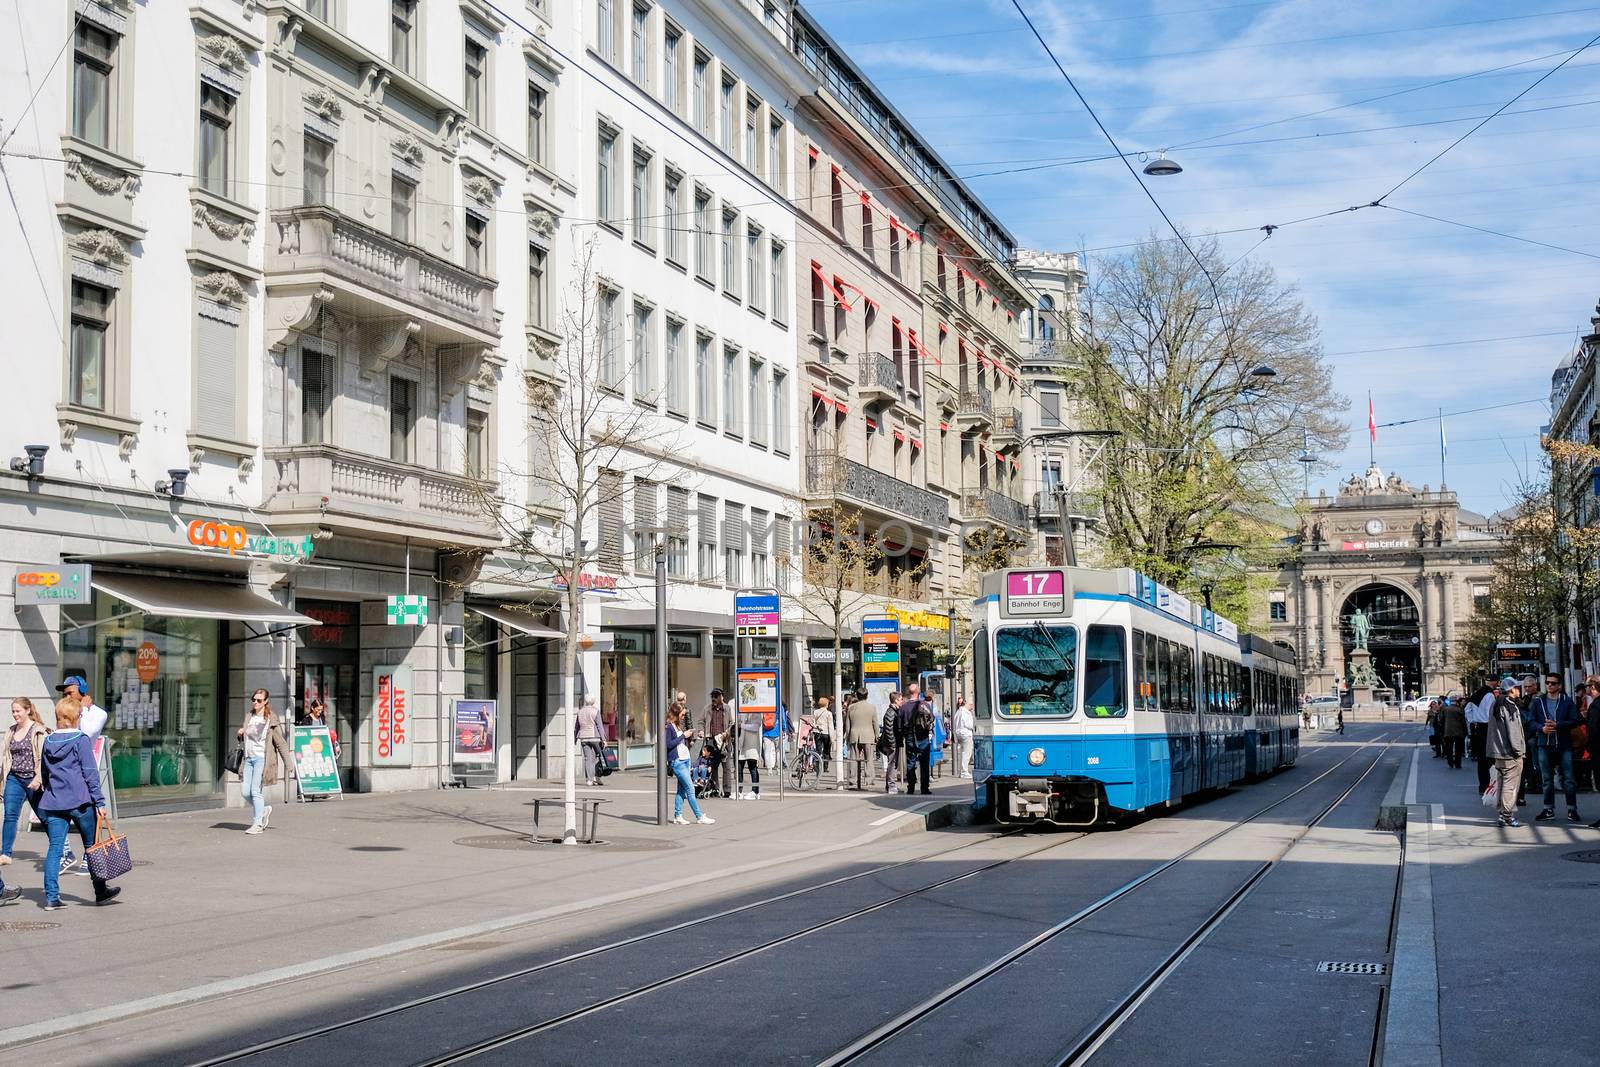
977	85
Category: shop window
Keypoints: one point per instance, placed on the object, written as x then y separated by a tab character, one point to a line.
161	681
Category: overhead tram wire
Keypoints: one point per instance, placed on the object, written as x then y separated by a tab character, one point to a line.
1489	232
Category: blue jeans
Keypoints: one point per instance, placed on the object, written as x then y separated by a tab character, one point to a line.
1551	758
250	774
58	822
16	793
680	770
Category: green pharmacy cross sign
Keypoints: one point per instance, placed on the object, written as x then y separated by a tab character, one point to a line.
408	610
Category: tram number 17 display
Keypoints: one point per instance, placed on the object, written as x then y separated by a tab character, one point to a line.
1036	593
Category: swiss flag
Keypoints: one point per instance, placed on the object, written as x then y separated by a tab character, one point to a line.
1372	421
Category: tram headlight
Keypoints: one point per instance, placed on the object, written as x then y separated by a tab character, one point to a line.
1036	758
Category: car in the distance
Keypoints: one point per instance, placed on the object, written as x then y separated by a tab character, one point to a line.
1419	703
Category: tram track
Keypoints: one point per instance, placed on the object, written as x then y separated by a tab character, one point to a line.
730	959
343	1025
1113	1018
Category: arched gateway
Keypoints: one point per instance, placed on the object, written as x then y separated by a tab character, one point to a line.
1409	558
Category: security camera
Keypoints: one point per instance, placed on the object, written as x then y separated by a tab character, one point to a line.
33	464
178	480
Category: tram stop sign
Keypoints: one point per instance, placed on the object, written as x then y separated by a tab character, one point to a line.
1034	593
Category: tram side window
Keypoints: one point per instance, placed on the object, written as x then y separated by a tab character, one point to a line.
1141	691
1185	660
1105	673
1164	673
1036	670
981	708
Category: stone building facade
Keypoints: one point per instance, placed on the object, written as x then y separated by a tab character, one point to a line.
1411	559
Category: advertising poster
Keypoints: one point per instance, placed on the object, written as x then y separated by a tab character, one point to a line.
756	692
314	761
474	731
391	716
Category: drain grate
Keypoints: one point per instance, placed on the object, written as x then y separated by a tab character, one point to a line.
1344	967
1590	855
27	927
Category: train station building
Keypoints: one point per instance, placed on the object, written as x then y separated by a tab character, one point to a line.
1412	560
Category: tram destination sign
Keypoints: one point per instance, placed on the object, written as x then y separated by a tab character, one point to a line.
1035	593
755	616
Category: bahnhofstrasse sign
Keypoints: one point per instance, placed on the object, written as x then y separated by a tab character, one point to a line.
235	540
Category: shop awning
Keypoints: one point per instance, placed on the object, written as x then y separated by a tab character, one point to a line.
513	620
193	599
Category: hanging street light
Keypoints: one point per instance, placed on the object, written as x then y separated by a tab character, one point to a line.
1161	166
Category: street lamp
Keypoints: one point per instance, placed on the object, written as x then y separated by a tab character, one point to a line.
1061	490
1162	167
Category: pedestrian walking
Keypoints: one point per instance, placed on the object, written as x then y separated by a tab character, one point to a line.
678	743
1553	715
93	720
1435	737
1506	746
822	732
70	797
20	762
1478	706
257	725
915	723
889	745
1452	731
1341	719
861	731
589	733
963	726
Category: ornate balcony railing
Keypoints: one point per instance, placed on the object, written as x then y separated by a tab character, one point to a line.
878	379
337	487
829	474
975	406
988	504
1008	423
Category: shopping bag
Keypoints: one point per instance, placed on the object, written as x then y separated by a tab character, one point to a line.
1492	794
109	856
608	761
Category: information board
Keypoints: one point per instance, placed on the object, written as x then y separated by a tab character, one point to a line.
314	761
473	733
880	648
755	615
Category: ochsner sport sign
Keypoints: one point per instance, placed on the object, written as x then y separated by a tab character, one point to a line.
391	716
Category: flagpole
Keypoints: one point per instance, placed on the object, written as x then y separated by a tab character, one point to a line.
1441	450
1372	433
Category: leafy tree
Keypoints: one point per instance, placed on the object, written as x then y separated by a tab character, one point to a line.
1204	444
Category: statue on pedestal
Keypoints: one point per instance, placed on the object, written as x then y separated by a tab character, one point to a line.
1361	627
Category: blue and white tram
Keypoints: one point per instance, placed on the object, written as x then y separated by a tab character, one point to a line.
1272	731
1100	692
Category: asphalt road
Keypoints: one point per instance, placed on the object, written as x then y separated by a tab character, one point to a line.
876	959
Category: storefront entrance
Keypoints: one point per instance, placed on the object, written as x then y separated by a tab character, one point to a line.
329	658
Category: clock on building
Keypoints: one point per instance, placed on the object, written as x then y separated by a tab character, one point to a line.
1374	526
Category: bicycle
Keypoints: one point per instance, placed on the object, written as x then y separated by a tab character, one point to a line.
807	767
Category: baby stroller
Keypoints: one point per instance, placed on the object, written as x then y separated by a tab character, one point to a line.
704	774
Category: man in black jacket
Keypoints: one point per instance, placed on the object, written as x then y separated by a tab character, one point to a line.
915	738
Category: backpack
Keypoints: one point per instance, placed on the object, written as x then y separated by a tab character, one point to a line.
922	721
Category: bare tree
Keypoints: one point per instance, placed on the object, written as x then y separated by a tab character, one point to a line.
1175	362
583	435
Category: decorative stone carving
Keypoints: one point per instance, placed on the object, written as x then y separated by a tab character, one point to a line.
225	50
247	467
545	348
101	247
103	179
394	341
542	396
407	147
289	312
223	286
480	188
196	454
126	443
227	227
374	83
542	223
323	103
69	434
288	235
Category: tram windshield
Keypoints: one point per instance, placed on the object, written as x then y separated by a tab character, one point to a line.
1036	669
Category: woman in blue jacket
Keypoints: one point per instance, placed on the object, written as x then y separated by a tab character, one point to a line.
678	753
71	797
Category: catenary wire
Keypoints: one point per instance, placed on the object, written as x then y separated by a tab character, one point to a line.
72	33
1492	233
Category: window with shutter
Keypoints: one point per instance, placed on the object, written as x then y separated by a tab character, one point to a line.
708	538
316	395
216	385
611	520
677	532
782	550
758	547
733	544
645	504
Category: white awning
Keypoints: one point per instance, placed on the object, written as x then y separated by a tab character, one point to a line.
513	620
185	598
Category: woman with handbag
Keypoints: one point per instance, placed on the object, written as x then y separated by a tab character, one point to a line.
71	797
254	736
19	768
589	733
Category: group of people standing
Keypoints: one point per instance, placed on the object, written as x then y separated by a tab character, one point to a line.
1525	734
54	772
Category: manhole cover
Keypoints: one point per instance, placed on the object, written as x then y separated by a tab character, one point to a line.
1333	967
26	927
1588	855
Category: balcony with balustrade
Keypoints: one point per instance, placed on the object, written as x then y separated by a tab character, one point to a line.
325	485
975	409
878	379
830	476
320	258
1007	426
1082	508
987	504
